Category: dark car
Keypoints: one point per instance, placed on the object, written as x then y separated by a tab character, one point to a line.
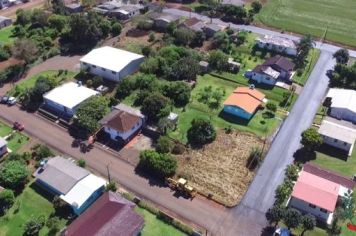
4	99
18	126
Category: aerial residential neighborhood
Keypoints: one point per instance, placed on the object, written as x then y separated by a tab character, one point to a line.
172	118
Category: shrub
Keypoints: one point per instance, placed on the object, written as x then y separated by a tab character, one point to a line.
163	144
13	174
89	83
299	72
201	132
151	37
97	81
161	165
81	163
53	225
116	29
271	106
111	186
178	149
42	151
7	199
34	225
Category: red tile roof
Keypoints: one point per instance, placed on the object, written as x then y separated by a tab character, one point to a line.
315	190
120	120
245	98
329	175
110	215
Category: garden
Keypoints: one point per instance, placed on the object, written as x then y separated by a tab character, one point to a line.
15	139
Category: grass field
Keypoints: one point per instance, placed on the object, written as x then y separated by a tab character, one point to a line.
312	60
5	35
16	141
154	226
334	19
29	203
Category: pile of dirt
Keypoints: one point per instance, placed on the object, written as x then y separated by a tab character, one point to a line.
218	170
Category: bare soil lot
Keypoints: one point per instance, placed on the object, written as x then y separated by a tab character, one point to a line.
219	168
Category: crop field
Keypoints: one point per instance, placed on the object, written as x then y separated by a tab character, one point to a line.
220	167
333	19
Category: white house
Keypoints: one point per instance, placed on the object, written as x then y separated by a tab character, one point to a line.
343	104
122	122
278	44
65	99
74	185
265	75
317	191
126	12
111	63
3	147
4	21
339	134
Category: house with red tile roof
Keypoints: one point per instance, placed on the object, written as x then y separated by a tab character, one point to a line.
122	122
110	215
243	102
317	191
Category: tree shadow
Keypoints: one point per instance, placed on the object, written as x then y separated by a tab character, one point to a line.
303	155
268	231
152	180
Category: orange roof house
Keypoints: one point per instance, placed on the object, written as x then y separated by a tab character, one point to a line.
243	102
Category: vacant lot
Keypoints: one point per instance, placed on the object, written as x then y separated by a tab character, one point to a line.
220	168
333	19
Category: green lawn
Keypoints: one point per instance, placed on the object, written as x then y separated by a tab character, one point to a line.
330	158
333	19
312	59
16	141
5	35
155	227
29	203
30	82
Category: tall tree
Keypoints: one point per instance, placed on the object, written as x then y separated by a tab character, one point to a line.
186	68
275	214
201	132
218	60
304	46
311	139
342	56
308	222
155	107
292	218
25	49
13	174
178	92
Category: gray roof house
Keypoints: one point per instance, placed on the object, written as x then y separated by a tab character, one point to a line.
162	20
4	22
3	146
74	185
74	7
125	12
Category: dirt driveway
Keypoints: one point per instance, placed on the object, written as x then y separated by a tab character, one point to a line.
11	11
56	63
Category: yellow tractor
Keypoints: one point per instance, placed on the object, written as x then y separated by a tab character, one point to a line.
182	186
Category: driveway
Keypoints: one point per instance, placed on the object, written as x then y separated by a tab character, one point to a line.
11	11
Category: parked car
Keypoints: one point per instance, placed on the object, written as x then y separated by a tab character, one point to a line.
11	101
4	99
18	126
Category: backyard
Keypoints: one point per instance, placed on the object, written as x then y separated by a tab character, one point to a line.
30	203
333	20
154	226
5	35
220	168
15	141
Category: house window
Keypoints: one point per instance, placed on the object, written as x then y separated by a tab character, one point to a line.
312	205
323	210
335	140
84	63
94	66
345	143
103	69
113	72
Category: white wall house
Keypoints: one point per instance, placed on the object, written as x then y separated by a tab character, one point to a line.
339	134
317	191
343	104
111	63
3	147
278	44
66	98
122	122
4	22
265	75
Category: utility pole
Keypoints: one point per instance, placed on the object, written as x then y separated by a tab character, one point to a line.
108	170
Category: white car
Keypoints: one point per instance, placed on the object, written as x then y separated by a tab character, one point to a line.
11	101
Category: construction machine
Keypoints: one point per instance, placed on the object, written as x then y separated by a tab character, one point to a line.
181	185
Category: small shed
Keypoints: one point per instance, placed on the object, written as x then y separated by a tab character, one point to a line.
173	118
204	66
4	22
233	65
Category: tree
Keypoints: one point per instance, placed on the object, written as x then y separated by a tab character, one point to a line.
335	229
158	164
90	112
163	144
53	225
155	106
282	192
271	106
178	92
201	132
292	218
57	22
218	60
292	172
342	56
25	49
311	139
164	125
111	186
198	39
186	68
58	203
221	40
303	48
42	151
183	36
275	214
116	29
211	97
23	17
348	206
308	222
256	6
7	199
125	87
33	226
13	174
81	163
